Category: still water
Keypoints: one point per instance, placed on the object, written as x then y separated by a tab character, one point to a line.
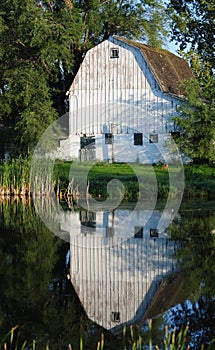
102	270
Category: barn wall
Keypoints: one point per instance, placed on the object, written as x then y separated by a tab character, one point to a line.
122	150
122	97
121	91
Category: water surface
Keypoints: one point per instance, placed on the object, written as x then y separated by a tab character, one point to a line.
104	276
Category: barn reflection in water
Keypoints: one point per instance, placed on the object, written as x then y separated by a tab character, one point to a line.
115	274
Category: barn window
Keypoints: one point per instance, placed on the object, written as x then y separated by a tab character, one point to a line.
87	141
153	138
154	232
87	148
138	232
108	139
138	139
115	316
109	232
114	53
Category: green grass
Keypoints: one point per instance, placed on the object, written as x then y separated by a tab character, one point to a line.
199	180
130	175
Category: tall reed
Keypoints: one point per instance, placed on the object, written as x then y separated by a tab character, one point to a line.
15	178
172	340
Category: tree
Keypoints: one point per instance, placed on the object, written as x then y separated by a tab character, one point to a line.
193	26
134	19
197	114
35	40
42	44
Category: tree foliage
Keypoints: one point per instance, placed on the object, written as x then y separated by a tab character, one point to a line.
197	114
34	41
134	19
193	26
42	44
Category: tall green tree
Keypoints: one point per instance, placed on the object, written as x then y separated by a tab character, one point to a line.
35	41
42	44
193	26
197	114
134	19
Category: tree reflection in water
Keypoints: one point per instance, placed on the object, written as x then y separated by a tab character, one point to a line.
196	259
34	293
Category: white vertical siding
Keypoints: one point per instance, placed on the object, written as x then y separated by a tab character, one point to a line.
120	90
120	96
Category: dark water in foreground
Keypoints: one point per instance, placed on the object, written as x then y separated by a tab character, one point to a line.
115	275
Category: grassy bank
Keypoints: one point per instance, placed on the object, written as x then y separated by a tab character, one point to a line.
138	180
70	178
199	180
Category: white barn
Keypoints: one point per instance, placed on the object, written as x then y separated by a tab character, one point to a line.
122	103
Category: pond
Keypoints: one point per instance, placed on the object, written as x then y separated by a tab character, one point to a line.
92	271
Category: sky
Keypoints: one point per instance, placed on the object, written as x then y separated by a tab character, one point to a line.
171	46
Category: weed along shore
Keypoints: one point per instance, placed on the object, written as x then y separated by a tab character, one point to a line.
15	178
75	179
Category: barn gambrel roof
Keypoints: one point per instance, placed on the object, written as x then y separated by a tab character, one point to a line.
168	69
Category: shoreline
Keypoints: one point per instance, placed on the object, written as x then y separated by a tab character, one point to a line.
199	181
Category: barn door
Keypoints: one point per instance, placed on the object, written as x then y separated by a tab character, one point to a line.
88	148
